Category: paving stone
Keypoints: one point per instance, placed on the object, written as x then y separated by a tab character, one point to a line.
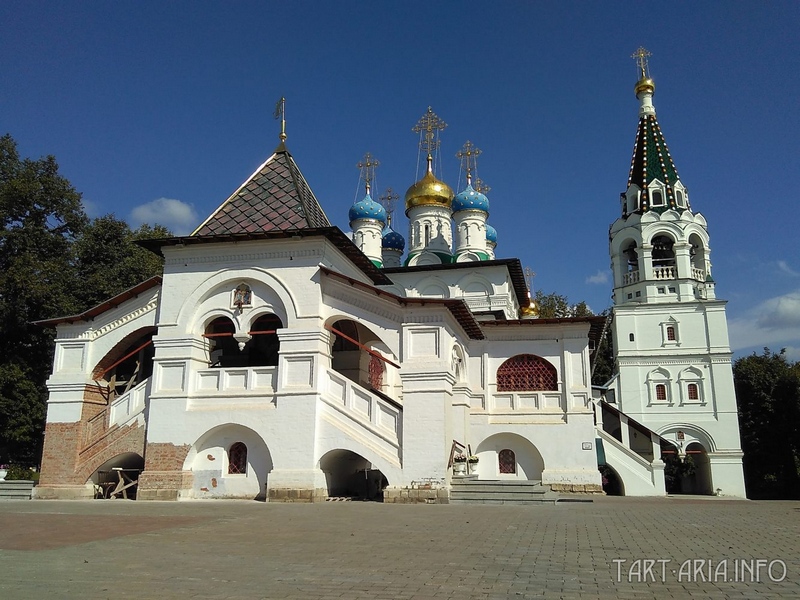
235	549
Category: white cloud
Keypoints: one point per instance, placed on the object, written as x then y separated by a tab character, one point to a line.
784	266
599	278
774	323
91	208
178	216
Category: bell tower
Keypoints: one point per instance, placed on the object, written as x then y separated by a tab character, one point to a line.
670	331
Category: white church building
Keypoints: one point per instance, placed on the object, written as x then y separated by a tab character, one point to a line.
281	358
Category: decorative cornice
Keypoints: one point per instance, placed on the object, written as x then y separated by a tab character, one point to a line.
315	253
93	334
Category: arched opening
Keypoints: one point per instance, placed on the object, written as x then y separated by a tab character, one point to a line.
687	474
261	350
526	372
528	461
350	475
353	357
128	364
663	253
117	477
698	254
223	349
630	257
612	482
229	461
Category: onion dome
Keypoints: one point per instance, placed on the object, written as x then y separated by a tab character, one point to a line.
491	234
469	199
393	240
429	191
367	209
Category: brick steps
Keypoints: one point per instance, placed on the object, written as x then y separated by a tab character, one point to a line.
466	490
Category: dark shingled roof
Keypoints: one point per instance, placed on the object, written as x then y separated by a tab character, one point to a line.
652	160
275	198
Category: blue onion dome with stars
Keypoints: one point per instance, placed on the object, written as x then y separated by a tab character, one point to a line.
491	234
470	199
367	209
393	240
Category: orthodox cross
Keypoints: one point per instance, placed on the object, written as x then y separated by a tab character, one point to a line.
481	187
529	275
468	155
367	166
387	200
428	128
280	113
640	56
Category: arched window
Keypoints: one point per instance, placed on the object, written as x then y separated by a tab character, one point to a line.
661	391
693	391
507	461
671	333
526	372
237	459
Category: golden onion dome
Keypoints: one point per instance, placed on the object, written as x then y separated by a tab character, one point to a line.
529	312
429	191
645	84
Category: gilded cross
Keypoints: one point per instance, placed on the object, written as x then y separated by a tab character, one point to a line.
428	127
387	200
640	56
529	275
468	155
481	187
367	166
280	113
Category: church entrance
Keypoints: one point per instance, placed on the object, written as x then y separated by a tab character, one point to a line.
351	476
688	474
352	355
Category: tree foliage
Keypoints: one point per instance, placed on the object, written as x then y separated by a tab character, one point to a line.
557	306
53	262
768	395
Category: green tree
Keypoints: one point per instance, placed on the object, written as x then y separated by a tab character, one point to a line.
768	395
557	306
41	216
108	260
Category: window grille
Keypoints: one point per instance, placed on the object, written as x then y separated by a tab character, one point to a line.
376	373
526	372
671	333
694	391
237	459
661	392
508	461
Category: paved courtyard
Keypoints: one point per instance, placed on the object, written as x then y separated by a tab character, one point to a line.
246	550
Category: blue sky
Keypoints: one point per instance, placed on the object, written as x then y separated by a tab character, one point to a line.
158	111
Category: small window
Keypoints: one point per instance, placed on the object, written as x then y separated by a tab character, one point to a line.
237	459
630	337
630	296
662	290
694	391
507	462
658	198
638	294
679	197
661	391
671	333
672	290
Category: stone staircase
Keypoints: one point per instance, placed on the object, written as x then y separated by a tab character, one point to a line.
16	490
469	490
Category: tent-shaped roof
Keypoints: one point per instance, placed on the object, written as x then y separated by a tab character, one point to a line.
275	198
